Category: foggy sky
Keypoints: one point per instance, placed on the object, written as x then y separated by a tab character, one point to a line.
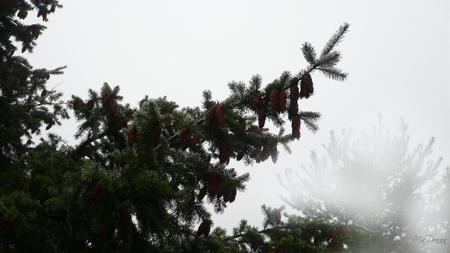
396	53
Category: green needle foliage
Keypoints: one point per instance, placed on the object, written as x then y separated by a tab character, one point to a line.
140	178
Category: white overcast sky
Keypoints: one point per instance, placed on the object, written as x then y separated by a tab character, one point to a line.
396	53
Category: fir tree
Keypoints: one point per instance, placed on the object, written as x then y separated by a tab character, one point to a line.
139	179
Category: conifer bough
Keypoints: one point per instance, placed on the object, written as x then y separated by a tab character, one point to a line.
140	178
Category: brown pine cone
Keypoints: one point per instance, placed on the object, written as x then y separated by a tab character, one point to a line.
215	117
261	118
293	109
230	196
184	138
296	126
306	86
274	100
282	102
256	101
224	153
294	91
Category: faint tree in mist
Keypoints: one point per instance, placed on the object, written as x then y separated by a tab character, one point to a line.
376	181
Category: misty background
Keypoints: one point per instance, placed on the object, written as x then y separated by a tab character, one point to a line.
396	53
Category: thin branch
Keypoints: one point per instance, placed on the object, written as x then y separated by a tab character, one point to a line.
78	153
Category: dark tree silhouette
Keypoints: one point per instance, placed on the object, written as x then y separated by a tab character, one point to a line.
139	179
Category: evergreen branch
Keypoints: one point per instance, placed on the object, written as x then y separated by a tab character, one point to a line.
310	119
309	115
335	39
312	126
255	82
284	78
333	73
309	53
329	60
325	64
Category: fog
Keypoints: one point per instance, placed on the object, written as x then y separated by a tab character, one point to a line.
396	53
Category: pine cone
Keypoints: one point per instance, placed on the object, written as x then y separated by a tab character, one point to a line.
296	126
110	111
261	118
306	86
233	195
184	138
230	196
224	153
294	82
282	102
204	229
278	100
293	109
274	100
214	183
215	117
256	101
294	92
108	104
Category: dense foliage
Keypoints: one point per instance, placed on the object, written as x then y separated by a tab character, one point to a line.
139	180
